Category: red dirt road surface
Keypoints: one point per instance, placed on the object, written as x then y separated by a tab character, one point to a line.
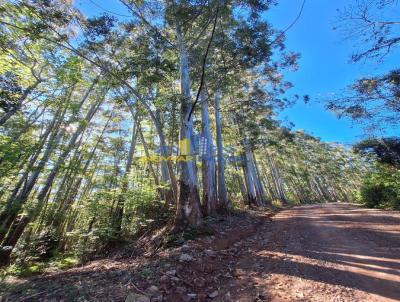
324	252
328	252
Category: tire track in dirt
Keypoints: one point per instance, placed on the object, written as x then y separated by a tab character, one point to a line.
328	252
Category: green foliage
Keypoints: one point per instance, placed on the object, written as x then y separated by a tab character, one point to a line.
65	261
381	188
10	91
386	150
27	269
86	245
277	204
144	209
70	71
372	100
69	151
99	26
12	152
95	232
36	248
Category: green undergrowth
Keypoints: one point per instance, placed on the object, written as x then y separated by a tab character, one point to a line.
27	269
277	204
168	239
381	188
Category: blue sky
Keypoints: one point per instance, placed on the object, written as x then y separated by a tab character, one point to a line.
324	64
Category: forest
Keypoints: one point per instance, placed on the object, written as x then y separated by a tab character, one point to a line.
166	117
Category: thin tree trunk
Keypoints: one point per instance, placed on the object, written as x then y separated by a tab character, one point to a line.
260	187
242	186
71	144
276	179
208	160
251	194
49	181
119	210
16	230
253	183
147	153
24	187
222	196
72	192
163	151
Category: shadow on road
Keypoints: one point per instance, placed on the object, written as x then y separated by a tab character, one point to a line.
338	244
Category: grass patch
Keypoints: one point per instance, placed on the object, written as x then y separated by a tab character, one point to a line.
277	204
64	262
23	270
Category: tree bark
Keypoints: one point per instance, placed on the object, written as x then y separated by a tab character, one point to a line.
24	187
6	247
188	208
119	210
254	186
222	195
71	144
49	180
208	160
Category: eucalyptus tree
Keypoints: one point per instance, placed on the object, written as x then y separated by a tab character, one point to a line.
57	106
15	201
111	90
189	21
98	32
222	193
117	218
208	160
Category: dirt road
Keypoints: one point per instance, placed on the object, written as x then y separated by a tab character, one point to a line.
326	252
329	252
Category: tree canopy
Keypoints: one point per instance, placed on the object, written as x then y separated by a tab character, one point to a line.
111	127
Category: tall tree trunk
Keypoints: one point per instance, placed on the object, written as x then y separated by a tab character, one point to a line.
49	180
242	186
147	153
260	186
275	178
167	191
157	125
24	187
188	209
119	210
208	160
71	144
278	178
88	187
222	195
256	192
167	164
16	230
72	192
